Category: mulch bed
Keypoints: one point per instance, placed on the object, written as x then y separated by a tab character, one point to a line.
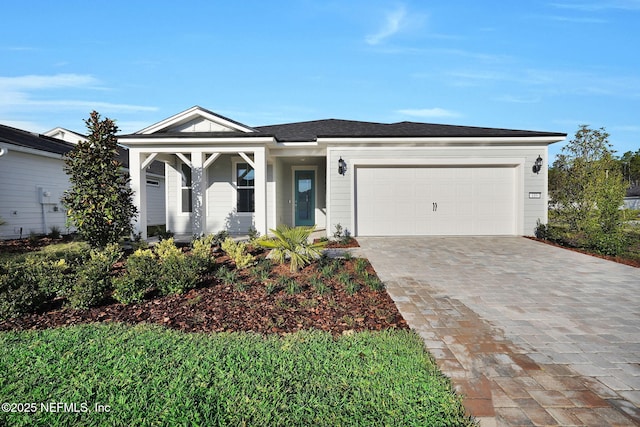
215	307
333	244
620	260
21	246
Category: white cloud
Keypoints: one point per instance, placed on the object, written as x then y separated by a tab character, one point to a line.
578	20
393	23
429	112
47	82
518	99
20	93
627	128
600	5
85	105
24	125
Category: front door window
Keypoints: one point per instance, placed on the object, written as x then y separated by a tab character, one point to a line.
305	197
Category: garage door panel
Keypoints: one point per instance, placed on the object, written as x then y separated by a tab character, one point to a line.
400	200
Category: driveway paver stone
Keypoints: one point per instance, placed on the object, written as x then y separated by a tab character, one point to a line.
530	334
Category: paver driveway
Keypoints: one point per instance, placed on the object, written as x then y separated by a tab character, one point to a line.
530	334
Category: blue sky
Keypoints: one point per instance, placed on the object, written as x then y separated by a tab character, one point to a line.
541	65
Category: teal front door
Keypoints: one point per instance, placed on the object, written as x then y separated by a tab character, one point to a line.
305	197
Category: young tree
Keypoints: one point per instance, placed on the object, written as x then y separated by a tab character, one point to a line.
589	189
99	202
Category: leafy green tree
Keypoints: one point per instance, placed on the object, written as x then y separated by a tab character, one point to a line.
99	202
631	167
588	190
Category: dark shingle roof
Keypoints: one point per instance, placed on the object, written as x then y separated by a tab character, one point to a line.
334	128
309	131
36	141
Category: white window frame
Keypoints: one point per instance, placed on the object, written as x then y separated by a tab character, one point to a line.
181	188
234	180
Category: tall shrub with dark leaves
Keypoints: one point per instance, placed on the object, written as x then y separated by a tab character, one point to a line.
99	203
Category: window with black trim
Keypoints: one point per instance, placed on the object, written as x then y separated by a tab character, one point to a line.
245	185
185	188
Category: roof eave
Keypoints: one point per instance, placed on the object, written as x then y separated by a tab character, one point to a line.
485	140
133	141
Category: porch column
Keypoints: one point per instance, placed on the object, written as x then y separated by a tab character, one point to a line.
260	194
198	188
138	176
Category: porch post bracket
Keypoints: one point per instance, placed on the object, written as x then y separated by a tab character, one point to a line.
210	160
247	159
184	159
148	160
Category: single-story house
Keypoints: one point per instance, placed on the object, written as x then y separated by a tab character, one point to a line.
374	179
33	181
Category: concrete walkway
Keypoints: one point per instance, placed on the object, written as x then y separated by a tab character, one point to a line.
530	334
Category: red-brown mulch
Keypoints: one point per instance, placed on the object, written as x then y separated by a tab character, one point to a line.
215	307
620	260
21	246
333	244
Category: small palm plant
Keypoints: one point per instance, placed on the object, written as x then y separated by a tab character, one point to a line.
292	243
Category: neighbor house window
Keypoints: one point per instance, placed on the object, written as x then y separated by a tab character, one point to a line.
245	187
185	188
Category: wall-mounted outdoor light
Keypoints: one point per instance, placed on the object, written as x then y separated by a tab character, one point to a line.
342	167
537	166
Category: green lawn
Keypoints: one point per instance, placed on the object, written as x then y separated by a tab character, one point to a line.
148	375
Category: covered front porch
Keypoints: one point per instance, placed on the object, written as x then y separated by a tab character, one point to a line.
210	189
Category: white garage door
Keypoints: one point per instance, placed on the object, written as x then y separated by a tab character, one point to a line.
459	200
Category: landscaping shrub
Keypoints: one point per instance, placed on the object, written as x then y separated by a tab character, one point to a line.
253	234
74	253
25	286
19	294
128	289
228	277
320	287
93	278
142	270
292	287
220	237
341	235
360	266
178	275
612	243
237	251
54	232
293	244
167	249
178	272
201	251
373	283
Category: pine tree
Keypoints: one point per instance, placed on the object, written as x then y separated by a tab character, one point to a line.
99	203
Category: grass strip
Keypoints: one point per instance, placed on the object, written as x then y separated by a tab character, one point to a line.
147	375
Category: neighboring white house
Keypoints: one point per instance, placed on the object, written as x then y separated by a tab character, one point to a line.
374	179
33	181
